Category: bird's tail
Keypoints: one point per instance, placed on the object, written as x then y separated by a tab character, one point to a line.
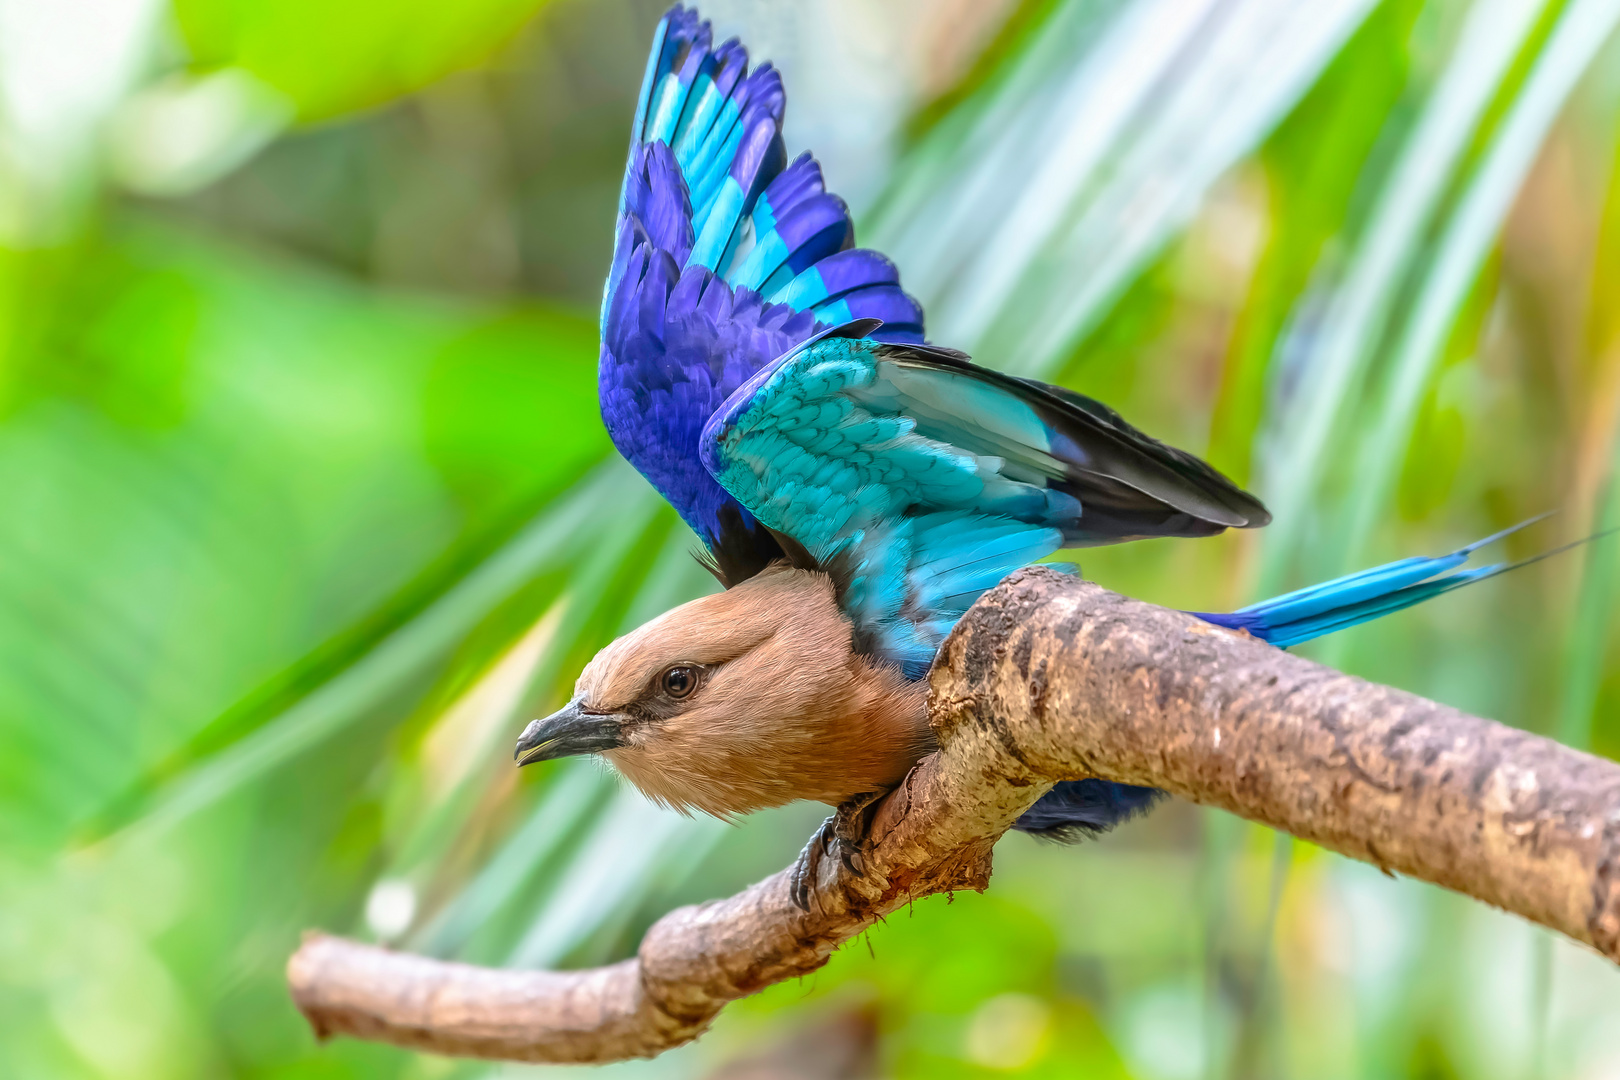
1369	594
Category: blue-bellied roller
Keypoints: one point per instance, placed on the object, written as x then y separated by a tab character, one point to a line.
856	487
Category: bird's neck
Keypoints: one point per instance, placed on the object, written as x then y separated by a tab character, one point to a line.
884	733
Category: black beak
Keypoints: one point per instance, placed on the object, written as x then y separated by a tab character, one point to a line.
568	731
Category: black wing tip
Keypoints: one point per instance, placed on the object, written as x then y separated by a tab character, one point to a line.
1249	511
1255	513
1243	510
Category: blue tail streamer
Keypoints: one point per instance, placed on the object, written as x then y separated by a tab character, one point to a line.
1308	613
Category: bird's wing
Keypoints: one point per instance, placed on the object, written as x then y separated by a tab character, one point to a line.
918	479
727	256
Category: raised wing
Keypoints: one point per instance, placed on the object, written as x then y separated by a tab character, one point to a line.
919	480
726	257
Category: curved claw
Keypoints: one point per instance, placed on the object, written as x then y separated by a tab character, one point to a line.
806	868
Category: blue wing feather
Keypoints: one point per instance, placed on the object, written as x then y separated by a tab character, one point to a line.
835	276
898	312
919	480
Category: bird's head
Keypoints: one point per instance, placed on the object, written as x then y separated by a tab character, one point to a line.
704	705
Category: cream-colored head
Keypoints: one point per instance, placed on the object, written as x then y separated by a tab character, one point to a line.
749	698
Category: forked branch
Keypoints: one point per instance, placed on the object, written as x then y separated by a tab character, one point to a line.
1046	679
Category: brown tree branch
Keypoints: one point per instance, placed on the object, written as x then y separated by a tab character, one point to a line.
1047	679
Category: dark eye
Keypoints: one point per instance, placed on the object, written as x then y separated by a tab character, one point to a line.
679	681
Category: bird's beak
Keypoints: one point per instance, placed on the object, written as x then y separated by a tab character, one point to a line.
568	731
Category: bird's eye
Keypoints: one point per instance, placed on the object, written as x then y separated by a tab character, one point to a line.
680	680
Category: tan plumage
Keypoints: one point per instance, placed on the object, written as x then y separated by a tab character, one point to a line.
783	708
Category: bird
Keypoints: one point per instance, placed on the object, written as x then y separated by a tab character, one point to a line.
855	487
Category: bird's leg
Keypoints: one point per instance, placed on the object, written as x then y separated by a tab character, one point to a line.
845	833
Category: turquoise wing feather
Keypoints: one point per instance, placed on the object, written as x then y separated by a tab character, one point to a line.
919	480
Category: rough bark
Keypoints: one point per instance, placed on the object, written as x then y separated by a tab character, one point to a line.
1047	679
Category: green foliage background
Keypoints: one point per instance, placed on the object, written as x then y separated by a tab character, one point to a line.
308	508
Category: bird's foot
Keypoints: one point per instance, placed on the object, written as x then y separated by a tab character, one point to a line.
843	833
